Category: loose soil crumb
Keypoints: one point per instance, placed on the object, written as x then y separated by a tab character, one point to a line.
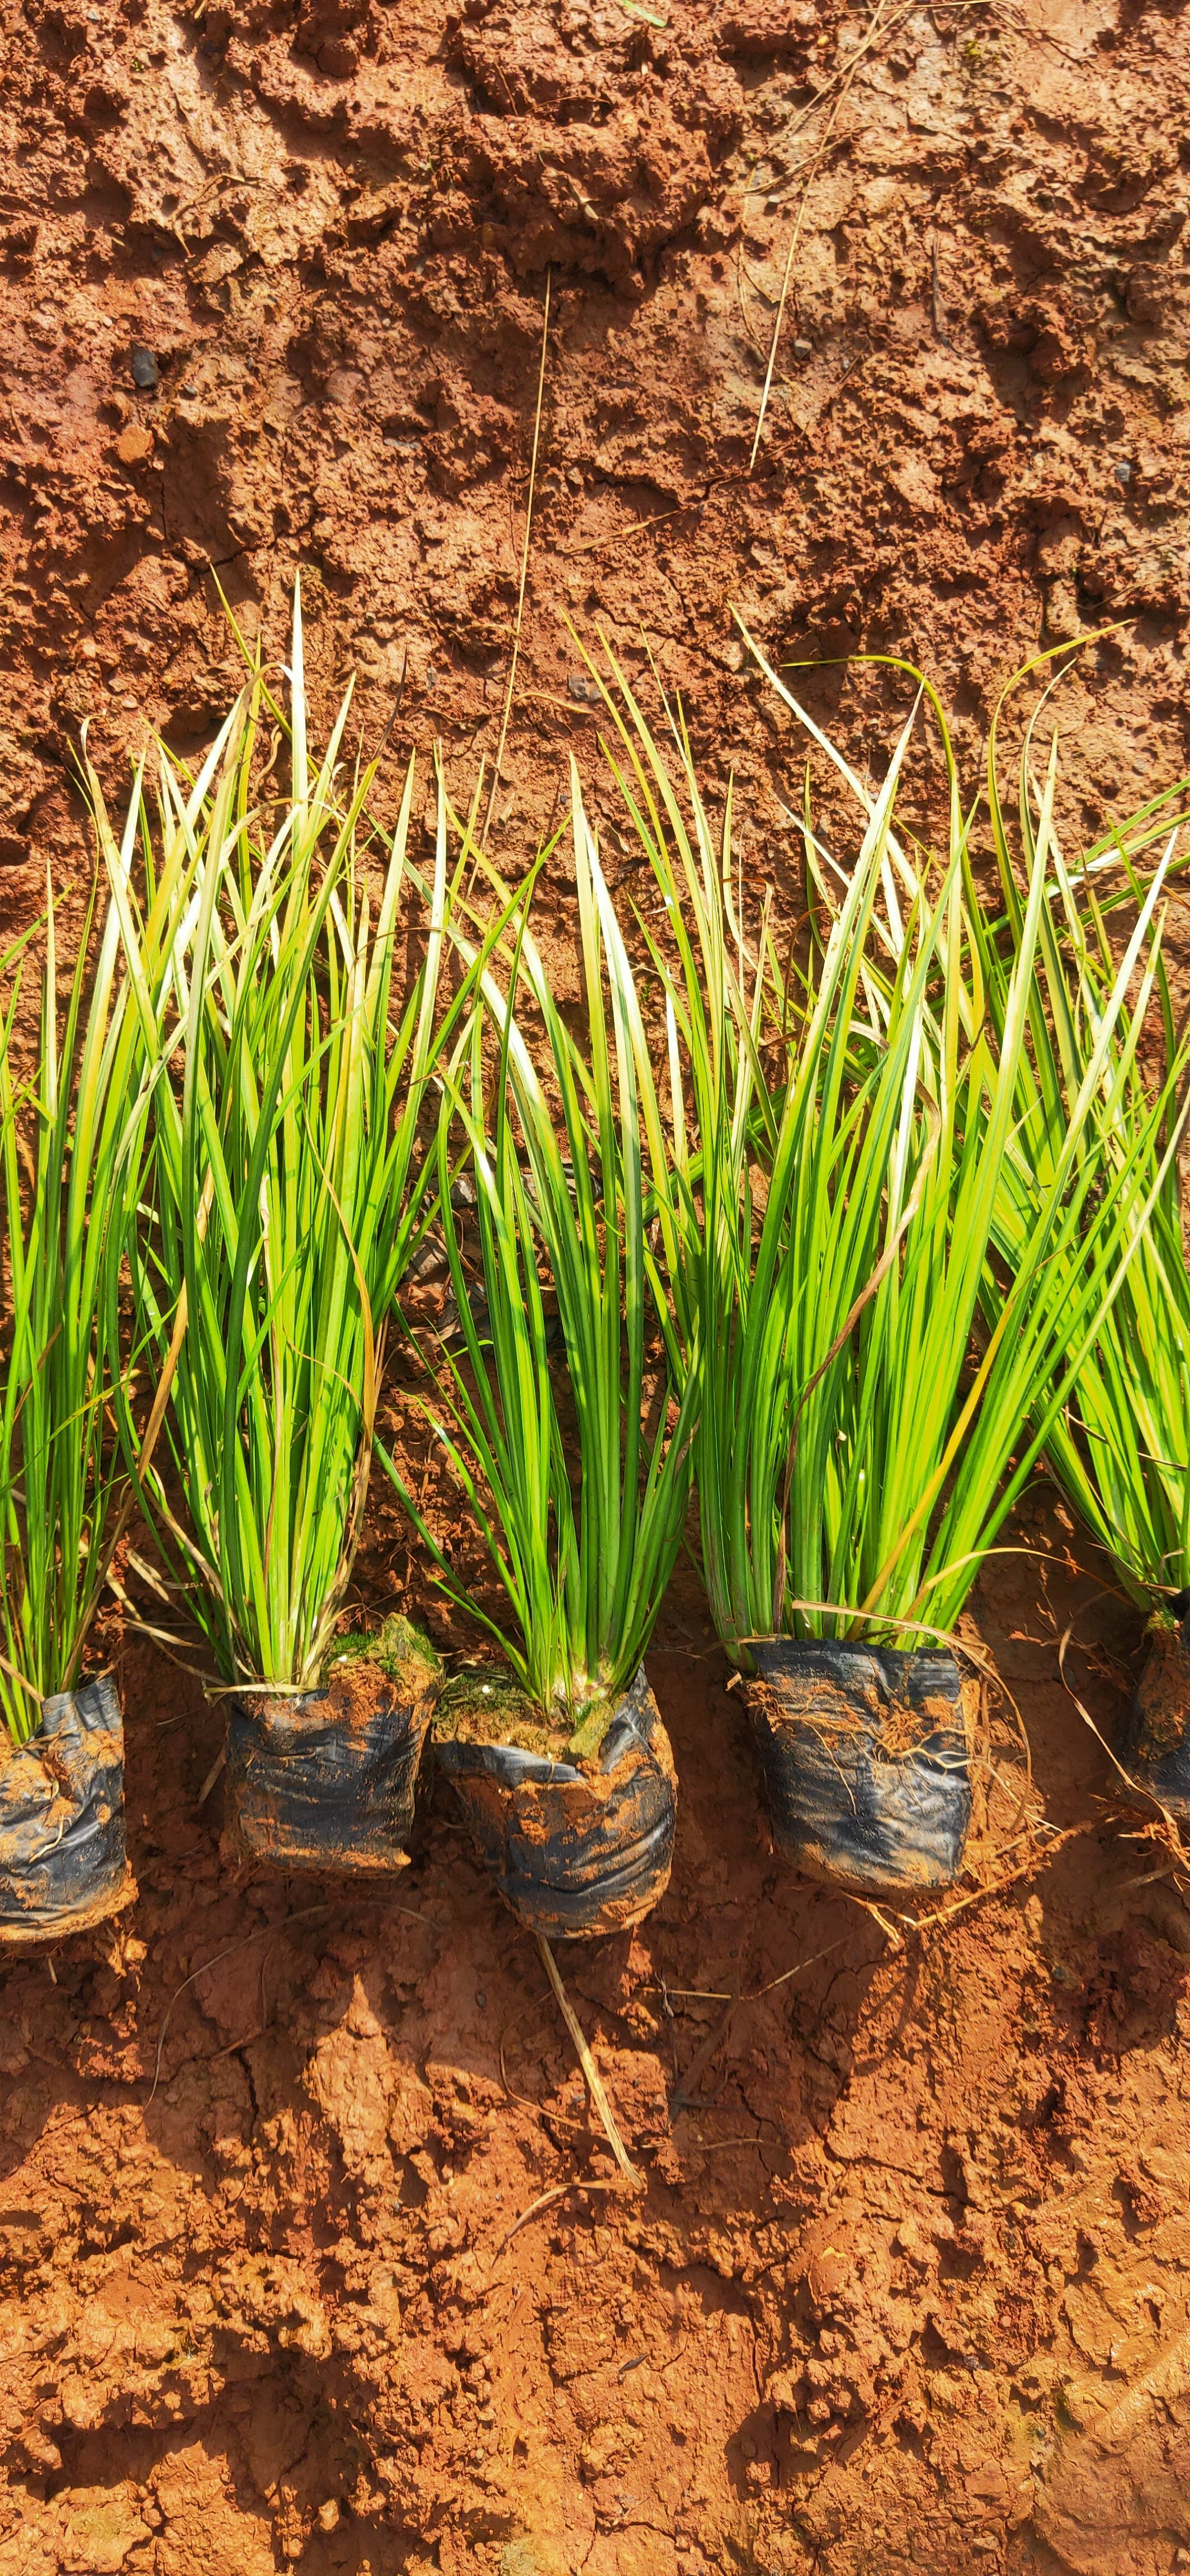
908	2289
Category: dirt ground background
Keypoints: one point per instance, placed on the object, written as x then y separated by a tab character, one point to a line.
910	2286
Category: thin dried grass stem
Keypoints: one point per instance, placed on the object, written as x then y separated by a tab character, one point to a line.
590	2069
876	27
520	605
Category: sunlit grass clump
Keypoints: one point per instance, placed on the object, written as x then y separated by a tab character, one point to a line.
69	1119
570	1445
1119	1444
892	1326
268	1220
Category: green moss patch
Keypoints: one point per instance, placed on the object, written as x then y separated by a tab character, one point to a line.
404	1654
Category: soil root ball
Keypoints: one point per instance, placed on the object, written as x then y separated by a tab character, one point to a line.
63	1861
866	1755
575	1848
325	1780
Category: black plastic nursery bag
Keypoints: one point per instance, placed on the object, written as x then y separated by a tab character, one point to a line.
63	1861
866	1757
1155	1745
575	1848
322	1781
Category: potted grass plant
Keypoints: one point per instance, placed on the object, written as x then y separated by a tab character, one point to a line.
268	1224
836	1180
559	1427
67	1128
1119	1446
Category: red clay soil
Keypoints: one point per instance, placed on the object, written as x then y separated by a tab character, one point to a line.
329	227
909	2283
310	2250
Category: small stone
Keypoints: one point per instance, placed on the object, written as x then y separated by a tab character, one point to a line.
190	393
129	706
328	2514
144	367
587	691
1123	473
134	444
481	2000
803	348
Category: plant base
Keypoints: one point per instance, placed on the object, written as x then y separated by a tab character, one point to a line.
63	1861
325	1781
1155	1744
866	1758
574	1848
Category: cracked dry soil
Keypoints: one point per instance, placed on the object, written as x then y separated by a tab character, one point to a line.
910	2284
